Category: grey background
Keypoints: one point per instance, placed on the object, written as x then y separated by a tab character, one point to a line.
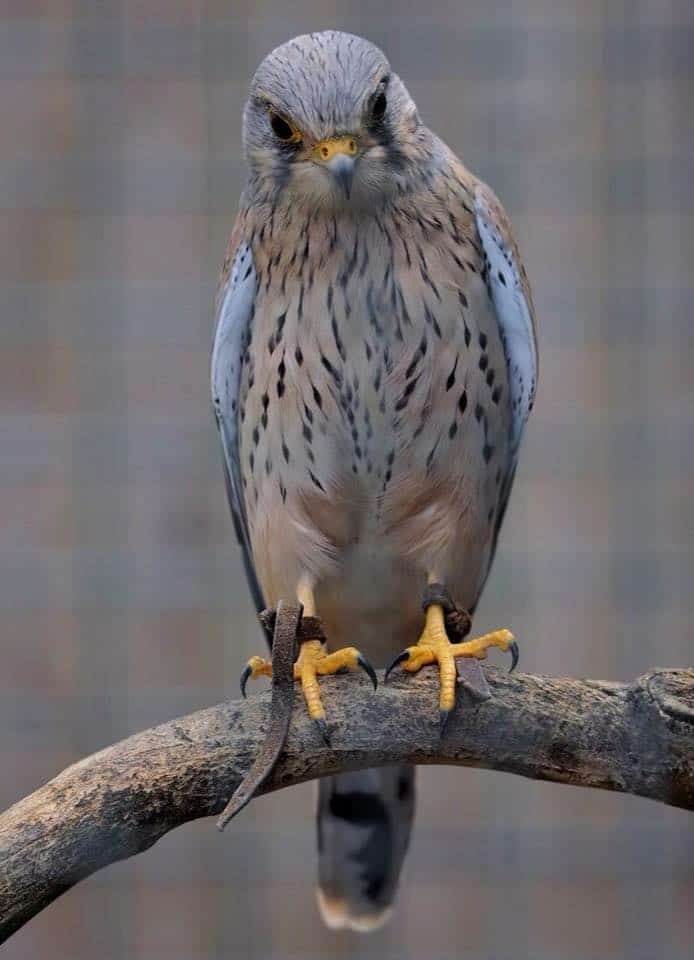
122	602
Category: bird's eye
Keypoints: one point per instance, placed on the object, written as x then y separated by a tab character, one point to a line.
378	107
283	130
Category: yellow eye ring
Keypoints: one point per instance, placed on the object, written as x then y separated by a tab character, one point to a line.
283	130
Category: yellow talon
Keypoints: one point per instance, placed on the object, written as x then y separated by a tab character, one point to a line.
256	667
305	670
503	639
313	661
434	646
345	659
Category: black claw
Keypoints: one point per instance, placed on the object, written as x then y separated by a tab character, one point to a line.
322	728
401	657
444	716
367	668
513	650
247	671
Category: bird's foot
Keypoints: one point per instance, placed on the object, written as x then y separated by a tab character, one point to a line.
434	646
313	661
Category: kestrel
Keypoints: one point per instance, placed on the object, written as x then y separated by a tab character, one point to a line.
373	369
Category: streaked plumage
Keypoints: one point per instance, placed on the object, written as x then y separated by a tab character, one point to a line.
374	364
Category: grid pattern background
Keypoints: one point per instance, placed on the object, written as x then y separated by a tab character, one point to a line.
122	602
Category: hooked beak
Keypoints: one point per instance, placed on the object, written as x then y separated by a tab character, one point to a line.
338	156
342	168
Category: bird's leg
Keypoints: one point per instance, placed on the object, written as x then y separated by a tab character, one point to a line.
434	645
313	661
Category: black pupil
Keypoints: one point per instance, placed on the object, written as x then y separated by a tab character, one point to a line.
281	128
379	106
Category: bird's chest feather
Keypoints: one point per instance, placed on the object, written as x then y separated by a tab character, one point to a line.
373	392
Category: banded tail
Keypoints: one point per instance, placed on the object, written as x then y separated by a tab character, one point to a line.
364	821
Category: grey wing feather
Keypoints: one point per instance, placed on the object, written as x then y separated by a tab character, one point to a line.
515	312
513	303
234	319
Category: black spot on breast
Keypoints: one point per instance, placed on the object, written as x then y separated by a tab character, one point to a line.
451	376
315	481
335	374
406	394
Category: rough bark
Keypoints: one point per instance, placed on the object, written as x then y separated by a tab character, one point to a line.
636	738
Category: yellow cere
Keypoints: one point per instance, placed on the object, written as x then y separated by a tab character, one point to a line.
327	149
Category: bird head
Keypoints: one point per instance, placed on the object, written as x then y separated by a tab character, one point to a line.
329	123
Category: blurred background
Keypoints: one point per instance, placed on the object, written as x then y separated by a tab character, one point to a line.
122	601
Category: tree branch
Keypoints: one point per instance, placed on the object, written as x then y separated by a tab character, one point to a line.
636	738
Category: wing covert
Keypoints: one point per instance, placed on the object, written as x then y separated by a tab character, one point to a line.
512	299
510	293
235	307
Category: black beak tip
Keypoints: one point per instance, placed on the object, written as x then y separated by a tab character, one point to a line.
342	169
345	181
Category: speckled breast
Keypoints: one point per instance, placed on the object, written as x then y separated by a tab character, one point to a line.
373	408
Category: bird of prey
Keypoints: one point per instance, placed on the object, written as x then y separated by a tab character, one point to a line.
373	369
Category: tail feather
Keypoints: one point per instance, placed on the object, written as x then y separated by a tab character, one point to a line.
364	823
